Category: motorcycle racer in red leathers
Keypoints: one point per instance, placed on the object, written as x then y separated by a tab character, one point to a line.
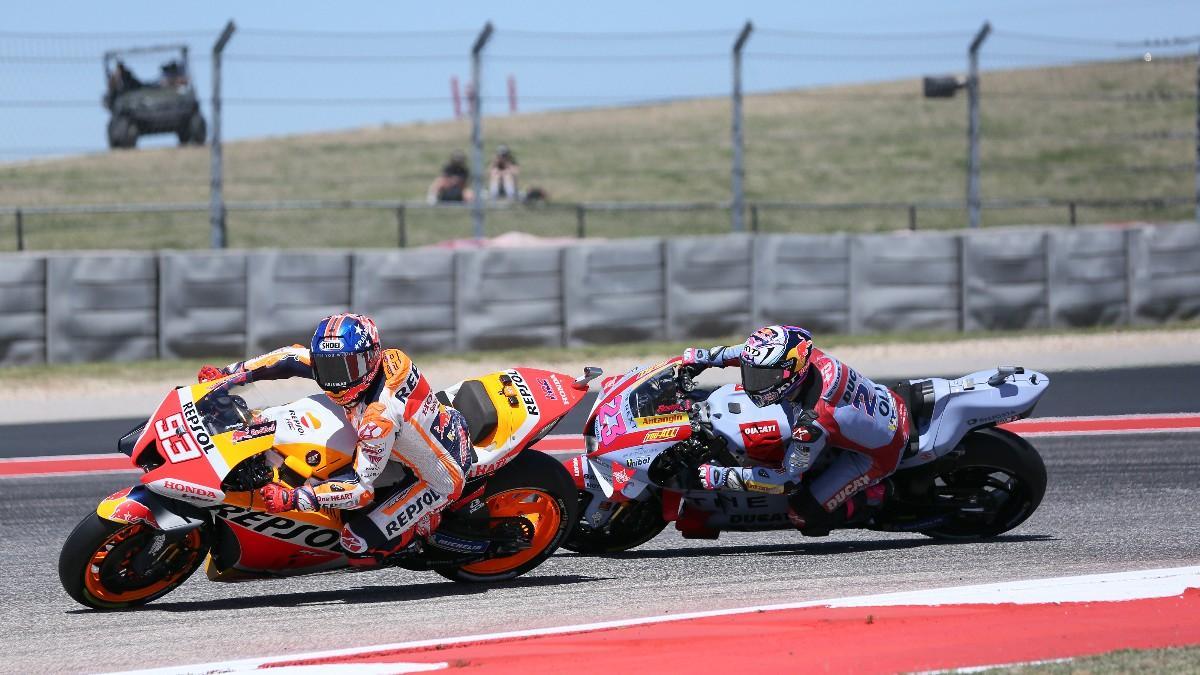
394	410
829	404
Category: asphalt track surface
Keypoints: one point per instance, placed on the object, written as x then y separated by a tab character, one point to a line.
1097	392
1115	502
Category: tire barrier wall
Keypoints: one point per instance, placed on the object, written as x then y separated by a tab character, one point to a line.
75	307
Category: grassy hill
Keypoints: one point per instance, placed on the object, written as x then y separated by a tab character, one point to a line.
1090	131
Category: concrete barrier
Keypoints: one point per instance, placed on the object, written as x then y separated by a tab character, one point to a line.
109	306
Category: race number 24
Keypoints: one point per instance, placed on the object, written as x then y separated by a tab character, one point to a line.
175	439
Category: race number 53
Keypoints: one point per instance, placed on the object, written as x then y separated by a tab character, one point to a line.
175	439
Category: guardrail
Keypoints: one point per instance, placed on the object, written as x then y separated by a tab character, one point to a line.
755	210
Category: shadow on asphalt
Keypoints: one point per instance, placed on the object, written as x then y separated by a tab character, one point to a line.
361	595
813	547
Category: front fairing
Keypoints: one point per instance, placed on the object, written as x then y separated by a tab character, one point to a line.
188	446
638	416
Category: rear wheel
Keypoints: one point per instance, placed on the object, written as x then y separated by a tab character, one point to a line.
194	131
636	523
992	488
107	565
535	488
122	132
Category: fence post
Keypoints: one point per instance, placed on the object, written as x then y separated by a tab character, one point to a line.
739	172
580	221
754	218
912	217
1071	211
973	205
401	226
477	127
216	208
1197	171
20	231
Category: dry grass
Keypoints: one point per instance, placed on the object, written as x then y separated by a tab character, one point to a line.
876	142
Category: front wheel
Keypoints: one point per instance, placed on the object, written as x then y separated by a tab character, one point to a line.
993	487
537	488
107	565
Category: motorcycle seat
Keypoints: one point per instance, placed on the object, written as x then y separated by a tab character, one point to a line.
473	401
919	398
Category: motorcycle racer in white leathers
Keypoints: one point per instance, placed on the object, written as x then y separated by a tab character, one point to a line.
829	405
394	410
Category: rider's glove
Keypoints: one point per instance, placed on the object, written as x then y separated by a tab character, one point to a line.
278	498
696	356
713	477
209	373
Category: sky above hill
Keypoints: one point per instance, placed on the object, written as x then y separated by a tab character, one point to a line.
296	67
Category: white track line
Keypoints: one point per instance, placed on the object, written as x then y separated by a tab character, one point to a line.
1154	583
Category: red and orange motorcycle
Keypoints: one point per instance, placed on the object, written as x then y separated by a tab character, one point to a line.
208	448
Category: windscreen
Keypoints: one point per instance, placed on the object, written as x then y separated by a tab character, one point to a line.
227	409
656	396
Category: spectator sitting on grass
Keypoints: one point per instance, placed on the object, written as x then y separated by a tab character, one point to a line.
502	175
451	186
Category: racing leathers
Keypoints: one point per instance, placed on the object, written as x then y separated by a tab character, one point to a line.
836	407
398	417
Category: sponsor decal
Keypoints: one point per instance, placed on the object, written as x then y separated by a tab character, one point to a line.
313	458
525	393
558	386
841	496
458	544
806	434
187	491
762	439
369	430
410	384
182	435
352	543
621	477
373	451
254	431
577	466
1000	418
332	344
133	511
657	420
293	423
430	405
547	389
660	435
414	509
642	460
277	526
442	423
757	518
310	421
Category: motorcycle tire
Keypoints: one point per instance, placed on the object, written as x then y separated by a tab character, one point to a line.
636	524
536	487
990	454
97	565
